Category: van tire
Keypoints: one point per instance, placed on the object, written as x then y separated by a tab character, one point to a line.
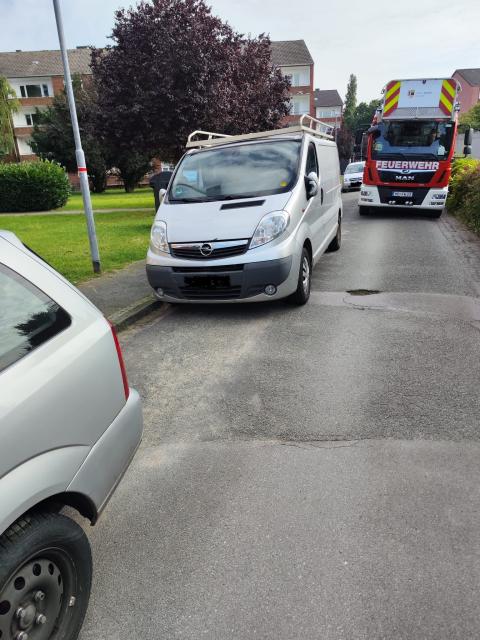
302	293
363	210
44	553
336	243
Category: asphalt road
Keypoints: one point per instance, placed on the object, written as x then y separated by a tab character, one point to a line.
308	472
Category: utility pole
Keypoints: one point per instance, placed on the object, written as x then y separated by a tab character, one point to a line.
80	156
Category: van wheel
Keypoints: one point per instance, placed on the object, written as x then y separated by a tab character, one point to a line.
336	243
45	578
363	210
302	294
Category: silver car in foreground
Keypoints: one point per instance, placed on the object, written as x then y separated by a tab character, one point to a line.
69	426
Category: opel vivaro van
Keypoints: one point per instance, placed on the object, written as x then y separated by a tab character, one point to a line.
245	218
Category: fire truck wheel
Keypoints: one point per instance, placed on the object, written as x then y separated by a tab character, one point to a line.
436	214
363	210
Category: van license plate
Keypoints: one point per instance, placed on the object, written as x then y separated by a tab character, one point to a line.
208	282
403	194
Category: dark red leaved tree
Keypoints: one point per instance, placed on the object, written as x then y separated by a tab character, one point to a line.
173	68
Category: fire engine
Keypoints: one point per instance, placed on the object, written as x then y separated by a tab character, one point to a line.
410	146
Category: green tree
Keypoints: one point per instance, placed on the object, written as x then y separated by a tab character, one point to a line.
52	136
471	118
350	102
8	105
363	114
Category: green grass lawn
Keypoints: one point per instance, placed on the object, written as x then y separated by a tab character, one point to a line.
63	242
114	199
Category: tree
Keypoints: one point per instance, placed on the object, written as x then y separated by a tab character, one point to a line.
471	118
52	136
350	102
363	114
174	68
8	105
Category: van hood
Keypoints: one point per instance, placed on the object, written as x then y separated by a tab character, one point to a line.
208	221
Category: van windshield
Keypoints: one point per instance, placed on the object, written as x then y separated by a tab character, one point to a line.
236	171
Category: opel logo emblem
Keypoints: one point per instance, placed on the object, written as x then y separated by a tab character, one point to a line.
206	249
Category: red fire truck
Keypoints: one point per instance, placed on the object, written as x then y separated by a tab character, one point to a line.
410	146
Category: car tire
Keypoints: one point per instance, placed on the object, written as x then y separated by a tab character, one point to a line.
363	210
302	293
45	577
336	243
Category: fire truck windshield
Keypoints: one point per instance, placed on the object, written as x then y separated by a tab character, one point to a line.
412	138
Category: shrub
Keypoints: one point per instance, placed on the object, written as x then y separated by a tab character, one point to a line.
33	186
458	187
464	197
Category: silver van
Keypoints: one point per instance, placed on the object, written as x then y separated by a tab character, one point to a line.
69	426
245	218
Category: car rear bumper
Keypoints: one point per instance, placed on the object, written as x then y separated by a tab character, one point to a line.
111	455
219	283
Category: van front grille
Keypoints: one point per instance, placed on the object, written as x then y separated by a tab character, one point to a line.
208	250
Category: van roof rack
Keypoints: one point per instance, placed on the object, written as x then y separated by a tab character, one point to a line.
307	124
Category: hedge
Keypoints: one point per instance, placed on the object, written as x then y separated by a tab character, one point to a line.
464	195
32	186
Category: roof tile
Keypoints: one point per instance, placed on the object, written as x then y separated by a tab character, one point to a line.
24	64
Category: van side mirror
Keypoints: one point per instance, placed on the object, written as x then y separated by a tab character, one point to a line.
467	141
162	193
311	185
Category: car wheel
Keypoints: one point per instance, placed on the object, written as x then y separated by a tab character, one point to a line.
336	243
302	294
363	210
45	578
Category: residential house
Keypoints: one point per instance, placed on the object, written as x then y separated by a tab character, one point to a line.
37	76
470	93
328	107
293	58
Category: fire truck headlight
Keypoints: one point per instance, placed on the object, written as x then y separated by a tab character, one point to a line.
439	196
365	192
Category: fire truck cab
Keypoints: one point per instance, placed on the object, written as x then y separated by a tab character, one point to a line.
410	146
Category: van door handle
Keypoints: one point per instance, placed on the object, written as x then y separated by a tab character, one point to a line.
321	196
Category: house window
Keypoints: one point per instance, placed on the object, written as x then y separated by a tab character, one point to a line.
34	90
298	76
31	118
299	105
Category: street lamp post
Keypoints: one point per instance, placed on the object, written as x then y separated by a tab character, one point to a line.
80	156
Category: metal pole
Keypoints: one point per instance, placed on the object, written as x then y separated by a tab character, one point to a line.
80	156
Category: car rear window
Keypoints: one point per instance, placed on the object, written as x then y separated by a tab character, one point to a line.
28	317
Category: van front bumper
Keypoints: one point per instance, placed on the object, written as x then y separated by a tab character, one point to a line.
217	283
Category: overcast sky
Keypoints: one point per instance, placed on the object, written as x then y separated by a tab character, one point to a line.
377	41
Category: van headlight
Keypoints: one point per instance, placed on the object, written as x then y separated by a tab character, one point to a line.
269	228
158	236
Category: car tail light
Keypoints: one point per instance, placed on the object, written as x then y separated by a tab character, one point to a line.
123	371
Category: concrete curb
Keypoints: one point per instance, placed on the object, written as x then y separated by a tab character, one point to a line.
128	315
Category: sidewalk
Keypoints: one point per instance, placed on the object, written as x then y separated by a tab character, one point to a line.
123	296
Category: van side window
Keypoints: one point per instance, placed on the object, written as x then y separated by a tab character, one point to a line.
312	164
28	318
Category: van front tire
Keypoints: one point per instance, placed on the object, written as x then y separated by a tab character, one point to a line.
45	577
302	293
